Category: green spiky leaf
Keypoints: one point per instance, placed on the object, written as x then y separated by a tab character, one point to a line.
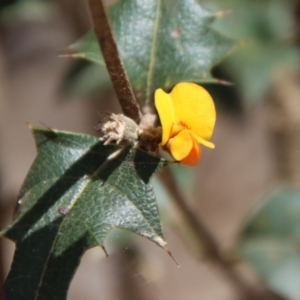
73	196
270	242
161	43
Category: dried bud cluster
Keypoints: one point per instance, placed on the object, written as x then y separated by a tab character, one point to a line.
118	129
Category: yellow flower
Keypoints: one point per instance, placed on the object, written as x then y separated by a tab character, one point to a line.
188	118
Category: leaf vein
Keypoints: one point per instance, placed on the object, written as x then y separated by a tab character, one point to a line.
153	53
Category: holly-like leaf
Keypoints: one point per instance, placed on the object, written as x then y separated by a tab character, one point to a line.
161	43
72	197
270	242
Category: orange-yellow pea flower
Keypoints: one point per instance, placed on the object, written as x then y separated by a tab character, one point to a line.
188	118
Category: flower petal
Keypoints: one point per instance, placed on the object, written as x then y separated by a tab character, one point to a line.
165	110
194	108
202	141
193	158
181	145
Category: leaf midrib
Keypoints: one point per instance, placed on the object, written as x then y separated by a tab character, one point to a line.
55	240
153	53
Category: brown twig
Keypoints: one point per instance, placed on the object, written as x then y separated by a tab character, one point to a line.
211	249
115	68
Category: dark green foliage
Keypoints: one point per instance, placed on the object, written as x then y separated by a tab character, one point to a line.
270	241
72	197
161	43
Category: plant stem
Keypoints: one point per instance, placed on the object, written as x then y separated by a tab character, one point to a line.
114	65
211	250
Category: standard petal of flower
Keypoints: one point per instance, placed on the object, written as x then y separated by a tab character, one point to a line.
194	107
193	158
181	145
165	110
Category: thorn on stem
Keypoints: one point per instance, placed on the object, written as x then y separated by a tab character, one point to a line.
224	82
104	250
170	254
223	13
47	127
